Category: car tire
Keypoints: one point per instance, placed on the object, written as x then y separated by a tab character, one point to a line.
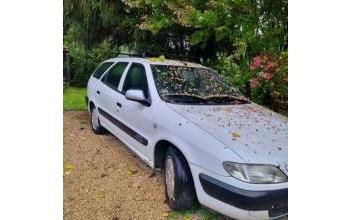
180	193
95	122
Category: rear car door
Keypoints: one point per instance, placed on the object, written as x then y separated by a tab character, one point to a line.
109	97
94	80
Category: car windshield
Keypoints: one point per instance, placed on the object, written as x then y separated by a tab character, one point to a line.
182	84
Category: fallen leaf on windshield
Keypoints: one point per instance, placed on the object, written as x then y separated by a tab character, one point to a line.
235	136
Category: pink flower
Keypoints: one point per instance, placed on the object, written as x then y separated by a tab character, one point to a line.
255	63
254	82
267	76
270	67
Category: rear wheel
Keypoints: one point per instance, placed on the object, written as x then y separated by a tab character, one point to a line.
96	126
179	187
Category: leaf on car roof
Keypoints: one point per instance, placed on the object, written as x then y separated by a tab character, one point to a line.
227	110
157	59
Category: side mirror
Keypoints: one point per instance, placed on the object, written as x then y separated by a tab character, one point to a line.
137	96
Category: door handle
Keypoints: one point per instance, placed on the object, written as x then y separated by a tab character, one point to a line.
119	104
98	92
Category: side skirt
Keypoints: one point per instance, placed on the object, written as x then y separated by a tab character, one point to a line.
124	127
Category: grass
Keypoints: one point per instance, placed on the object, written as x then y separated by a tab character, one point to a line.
74	98
195	211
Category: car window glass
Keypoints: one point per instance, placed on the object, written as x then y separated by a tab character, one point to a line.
113	77
101	69
136	79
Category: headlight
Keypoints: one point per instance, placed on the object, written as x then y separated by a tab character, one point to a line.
255	173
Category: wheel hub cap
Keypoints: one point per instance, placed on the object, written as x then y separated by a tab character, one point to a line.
95	119
170	178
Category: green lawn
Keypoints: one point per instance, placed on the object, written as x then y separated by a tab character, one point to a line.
74	98
193	213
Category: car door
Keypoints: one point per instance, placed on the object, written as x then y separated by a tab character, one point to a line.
109	97
136	116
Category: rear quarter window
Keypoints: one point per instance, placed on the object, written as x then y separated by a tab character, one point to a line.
101	69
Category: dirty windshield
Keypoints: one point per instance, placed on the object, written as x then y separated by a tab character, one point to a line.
194	85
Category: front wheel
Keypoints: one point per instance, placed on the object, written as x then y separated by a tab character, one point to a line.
179	187
96	126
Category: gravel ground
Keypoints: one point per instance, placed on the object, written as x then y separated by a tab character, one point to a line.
103	179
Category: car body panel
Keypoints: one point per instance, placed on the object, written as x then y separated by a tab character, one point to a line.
257	134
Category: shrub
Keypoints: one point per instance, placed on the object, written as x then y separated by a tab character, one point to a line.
238	74
269	82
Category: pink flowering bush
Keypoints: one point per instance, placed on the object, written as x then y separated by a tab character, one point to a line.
269	81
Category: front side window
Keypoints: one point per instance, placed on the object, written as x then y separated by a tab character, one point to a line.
101	69
136	79
113	77
180	84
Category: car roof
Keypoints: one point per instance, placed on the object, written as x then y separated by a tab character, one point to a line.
158	61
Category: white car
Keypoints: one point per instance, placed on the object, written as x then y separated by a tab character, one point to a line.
214	145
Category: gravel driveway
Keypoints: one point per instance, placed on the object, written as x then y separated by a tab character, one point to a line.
103	179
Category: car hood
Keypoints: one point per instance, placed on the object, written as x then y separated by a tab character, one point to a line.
255	133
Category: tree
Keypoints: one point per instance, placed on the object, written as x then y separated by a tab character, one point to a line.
224	34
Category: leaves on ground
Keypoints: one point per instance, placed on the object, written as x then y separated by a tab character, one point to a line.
68	168
132	171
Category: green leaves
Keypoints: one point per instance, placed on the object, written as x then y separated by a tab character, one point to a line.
224	34
156	24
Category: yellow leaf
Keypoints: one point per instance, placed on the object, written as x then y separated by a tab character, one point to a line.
68	167
157	59
235	136
165	214
101	194
132	172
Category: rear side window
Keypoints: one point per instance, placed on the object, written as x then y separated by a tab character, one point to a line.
113	76
101	69
136	79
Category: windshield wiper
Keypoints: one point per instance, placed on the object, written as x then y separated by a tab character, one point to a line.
227	99
186	98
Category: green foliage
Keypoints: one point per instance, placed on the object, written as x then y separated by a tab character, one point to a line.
84	60
224	34
74	98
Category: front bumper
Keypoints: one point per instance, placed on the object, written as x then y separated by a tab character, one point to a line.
228	205
273	201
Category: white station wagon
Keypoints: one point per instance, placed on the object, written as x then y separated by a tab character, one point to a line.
214	145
